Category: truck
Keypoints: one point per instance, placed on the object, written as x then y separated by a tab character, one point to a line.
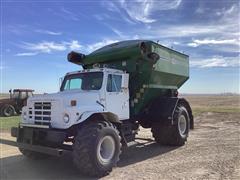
13	105
99	109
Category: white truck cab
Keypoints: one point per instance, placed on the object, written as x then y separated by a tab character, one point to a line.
82	94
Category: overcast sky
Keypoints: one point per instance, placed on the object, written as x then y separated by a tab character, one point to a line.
37	35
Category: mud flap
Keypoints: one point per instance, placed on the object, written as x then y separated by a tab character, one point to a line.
161	111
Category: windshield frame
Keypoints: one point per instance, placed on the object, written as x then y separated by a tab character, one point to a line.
71	76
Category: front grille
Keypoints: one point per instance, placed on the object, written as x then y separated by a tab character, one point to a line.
41	113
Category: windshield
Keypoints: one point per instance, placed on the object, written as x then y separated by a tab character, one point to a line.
15	95
83	81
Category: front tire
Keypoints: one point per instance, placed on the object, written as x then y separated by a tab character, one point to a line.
96	148
175	135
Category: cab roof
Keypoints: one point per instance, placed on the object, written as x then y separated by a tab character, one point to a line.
25	90
109	70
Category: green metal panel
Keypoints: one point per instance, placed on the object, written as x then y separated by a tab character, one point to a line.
147	79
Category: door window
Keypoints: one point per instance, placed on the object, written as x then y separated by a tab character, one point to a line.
16	94
23	95
114	83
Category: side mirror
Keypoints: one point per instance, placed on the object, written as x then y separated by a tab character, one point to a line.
10	92
125	79
60	82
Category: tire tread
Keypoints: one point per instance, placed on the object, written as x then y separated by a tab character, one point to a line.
169	135
82	148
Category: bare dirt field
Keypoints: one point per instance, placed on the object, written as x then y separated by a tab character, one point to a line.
212	151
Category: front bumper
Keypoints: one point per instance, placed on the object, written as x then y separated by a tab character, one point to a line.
48	141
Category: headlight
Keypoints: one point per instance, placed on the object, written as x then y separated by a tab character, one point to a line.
25	115
66	118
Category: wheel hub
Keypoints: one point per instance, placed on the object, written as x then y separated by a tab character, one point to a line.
106	149
182	125
8	111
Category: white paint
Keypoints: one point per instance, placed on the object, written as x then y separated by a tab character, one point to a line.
114	102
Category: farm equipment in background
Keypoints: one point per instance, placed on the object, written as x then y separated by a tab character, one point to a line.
13	105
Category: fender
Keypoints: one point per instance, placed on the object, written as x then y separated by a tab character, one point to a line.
108	116
162	110
186	104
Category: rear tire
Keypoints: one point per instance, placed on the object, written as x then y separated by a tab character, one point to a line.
32	154
96	148
175	135
8	110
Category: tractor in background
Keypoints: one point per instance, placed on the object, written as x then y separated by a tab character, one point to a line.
13	105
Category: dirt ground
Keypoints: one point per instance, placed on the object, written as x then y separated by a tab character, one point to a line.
211	152
214	101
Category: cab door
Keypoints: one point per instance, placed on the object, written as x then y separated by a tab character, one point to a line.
20	101
117	98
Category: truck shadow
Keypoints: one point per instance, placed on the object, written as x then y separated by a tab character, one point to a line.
142	151
19	167
8	142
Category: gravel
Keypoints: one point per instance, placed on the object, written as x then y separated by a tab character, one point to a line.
211	152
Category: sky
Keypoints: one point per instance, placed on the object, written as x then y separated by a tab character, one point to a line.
37	35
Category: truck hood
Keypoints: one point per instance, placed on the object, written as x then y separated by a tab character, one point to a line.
83	98
60	106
